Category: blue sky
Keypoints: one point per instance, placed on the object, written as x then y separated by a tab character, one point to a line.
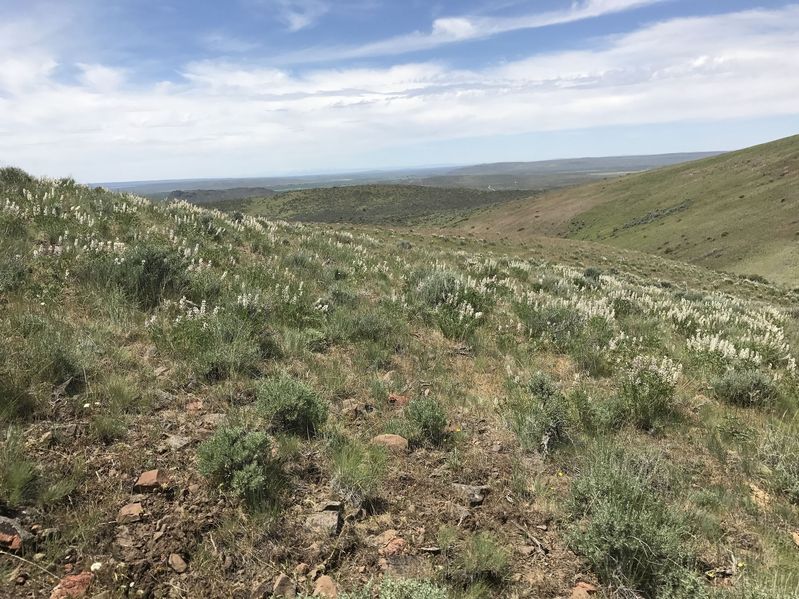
138	89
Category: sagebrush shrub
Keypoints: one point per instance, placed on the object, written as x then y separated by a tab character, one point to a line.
560	325
147	273
626	531
646	398
291	405
427	421
217	345
539	414
747	388
240	461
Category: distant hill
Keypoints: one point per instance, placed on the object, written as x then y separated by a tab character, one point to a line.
737	212
205	196
539	175
372	204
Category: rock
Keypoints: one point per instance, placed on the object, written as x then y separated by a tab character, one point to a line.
177	563
152	480
73	587
283	586
301	569
174	442
213	420
398	401
394	546
583	590
390	543
261	590
331	506
795	537
10	542
12	535
394	443
325	587
130	513
327	522
476	494
65	431
759	496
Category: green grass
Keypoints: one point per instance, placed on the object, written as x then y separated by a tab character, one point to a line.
371	204
711	212
253	361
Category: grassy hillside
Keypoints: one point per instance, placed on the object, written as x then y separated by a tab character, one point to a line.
372	204
200	404
552	174
736	212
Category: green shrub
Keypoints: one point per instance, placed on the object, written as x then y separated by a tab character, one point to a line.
590	348
291	405
539	414
778	450
427	421
631	538
109	427
558	325
19	477
358	470
747	388
405	588
12	271
456	306
15	177
40	351
147	273
480	558
433	288
240	461
646	398
217	346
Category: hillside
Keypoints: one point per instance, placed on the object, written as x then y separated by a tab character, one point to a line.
202	404
552	174
372	204
736	212
207	196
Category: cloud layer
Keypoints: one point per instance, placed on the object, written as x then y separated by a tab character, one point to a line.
219	118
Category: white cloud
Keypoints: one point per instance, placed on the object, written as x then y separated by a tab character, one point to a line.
299	14
222	118
101	78
448	30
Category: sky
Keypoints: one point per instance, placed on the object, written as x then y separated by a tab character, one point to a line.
130	90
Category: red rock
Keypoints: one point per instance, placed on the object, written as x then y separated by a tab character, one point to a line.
399	401
325	587
194	407
151	481
130	513
583	590
393	443
393	547
73	587
12	542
